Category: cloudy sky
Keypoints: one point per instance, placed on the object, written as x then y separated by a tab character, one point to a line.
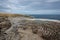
30	6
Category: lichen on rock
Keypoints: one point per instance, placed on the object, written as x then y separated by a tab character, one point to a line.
18	28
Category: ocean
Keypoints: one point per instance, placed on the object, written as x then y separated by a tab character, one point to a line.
54	17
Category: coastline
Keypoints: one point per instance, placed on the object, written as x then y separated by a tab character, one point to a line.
43	20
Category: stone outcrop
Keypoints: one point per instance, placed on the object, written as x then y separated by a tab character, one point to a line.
18	28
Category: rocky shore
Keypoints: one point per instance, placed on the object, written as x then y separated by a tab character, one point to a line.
16	27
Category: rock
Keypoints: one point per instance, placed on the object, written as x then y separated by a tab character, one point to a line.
18	28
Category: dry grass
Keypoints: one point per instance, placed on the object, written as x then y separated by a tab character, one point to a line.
12	15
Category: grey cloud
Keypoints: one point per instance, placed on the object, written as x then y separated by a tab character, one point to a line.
30	5
46	5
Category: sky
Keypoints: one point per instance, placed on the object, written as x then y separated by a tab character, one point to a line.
30	6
